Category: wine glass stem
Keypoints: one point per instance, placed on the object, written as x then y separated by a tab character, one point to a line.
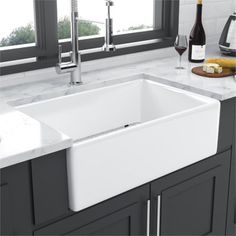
180	61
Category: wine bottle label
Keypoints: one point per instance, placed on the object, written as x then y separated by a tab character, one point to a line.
198	52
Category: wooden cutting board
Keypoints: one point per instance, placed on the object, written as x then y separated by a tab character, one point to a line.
199	71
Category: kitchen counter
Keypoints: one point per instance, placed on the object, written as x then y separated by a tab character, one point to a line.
23	138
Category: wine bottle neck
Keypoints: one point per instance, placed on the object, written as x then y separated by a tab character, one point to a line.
199	13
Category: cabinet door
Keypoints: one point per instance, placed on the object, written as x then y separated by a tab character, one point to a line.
123	215
5	212
122	222
193	202
15	200
49	182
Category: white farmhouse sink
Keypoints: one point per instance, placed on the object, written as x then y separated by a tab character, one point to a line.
128	134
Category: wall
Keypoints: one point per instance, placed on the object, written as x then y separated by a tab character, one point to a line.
215	15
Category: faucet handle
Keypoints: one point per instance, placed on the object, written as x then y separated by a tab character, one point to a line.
59	54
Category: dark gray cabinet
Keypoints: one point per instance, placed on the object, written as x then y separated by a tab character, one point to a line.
189	208
49	187
195	203
190	201
5	224
231	218
123	222
16	200
123	215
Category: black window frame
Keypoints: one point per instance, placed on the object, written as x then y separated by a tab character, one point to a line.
166	21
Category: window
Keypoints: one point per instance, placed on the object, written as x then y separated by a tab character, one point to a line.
92	20
140	20
20	31
30	38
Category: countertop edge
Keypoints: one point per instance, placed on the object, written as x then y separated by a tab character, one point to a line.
36	153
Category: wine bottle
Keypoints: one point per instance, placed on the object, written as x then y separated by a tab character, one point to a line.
197	39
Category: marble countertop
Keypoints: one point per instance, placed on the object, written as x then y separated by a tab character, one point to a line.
162	68
23	138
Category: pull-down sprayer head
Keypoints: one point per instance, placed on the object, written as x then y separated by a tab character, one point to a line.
74	5
109	46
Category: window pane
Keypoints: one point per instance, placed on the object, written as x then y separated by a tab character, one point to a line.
128	15
91	15
16	22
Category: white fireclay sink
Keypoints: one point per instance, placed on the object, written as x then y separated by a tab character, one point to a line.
129	133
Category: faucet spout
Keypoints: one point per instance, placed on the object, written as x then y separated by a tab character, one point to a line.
74	66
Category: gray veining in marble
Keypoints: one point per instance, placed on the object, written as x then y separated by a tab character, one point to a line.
164	69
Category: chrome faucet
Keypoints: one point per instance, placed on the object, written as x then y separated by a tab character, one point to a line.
74	66
109	46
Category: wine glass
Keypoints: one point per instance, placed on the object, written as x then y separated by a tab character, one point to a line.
181	45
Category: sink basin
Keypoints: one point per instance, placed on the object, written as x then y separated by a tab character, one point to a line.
129	133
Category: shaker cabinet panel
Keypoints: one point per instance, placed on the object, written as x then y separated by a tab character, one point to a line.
49	181
122	222
188	209
5	211
197	204
16	200
125	214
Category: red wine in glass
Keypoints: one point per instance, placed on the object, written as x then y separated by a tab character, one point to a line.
181	45
180	49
